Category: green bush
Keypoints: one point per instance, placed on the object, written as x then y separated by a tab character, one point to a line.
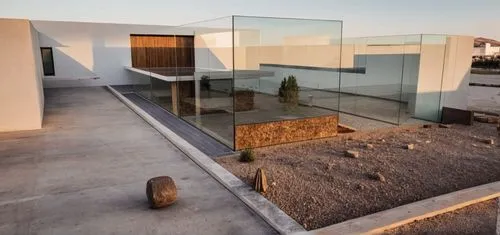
289	91
247	155
281	90
292	91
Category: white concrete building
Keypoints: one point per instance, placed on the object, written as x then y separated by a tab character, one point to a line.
486	50
425	72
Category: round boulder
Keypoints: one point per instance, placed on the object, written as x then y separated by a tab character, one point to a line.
161	191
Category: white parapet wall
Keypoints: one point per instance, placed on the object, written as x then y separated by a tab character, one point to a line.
21	92
92	54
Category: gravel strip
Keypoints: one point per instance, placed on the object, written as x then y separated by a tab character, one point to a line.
318	185
479	218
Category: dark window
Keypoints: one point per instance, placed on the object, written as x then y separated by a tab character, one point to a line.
47	61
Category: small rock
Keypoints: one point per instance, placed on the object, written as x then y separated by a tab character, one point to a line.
427	126
418	141
377	176
273	184
330	166
351	153
383	140
487	141
260	181
161	191
474	145
481	118
492	119
369	146
409	146
360	187
444	125
427	141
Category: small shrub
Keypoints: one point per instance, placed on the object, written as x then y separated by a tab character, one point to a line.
292	91
281	90
289	91
247	155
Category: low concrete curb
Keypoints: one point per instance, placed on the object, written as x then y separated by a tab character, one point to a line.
483	84
498	216
280	221
392	218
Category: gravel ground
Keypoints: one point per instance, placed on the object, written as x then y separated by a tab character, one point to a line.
317	185
480	218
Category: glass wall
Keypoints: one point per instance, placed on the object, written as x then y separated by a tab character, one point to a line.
239	70
285	68
428	98
205	96
394	79
383	79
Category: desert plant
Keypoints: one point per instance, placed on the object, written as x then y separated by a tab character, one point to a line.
281	90
289	91
247	155
292	91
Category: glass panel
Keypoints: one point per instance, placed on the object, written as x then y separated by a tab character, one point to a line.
161	92
267	50
142	84
428	95
376	76
205	90
411	69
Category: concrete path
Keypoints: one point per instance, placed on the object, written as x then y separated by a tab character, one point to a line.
85	173
485	79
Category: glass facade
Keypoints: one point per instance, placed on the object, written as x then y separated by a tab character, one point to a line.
269	50
393	78
240	70
238	65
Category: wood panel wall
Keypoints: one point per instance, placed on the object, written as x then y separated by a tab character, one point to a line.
154	51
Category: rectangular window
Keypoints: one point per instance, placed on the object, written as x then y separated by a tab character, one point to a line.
47	61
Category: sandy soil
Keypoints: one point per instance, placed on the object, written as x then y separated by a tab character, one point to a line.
480	218
317	185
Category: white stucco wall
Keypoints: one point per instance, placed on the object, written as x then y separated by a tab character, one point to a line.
83	51
21	93
456	76
444	75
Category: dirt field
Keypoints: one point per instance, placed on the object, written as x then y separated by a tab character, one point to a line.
480	218
317	185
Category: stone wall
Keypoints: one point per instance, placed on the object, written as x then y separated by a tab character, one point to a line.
286	131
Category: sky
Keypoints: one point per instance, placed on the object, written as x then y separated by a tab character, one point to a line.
360	17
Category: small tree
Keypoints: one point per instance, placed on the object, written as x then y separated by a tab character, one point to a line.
289	91
292	91
281	90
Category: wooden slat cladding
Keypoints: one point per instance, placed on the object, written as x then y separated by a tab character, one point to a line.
153	51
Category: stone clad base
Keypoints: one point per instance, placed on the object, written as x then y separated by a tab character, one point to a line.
286	131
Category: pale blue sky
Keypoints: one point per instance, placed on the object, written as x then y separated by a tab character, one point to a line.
361	17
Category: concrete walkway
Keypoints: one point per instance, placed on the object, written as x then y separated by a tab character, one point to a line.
485	79
85	173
